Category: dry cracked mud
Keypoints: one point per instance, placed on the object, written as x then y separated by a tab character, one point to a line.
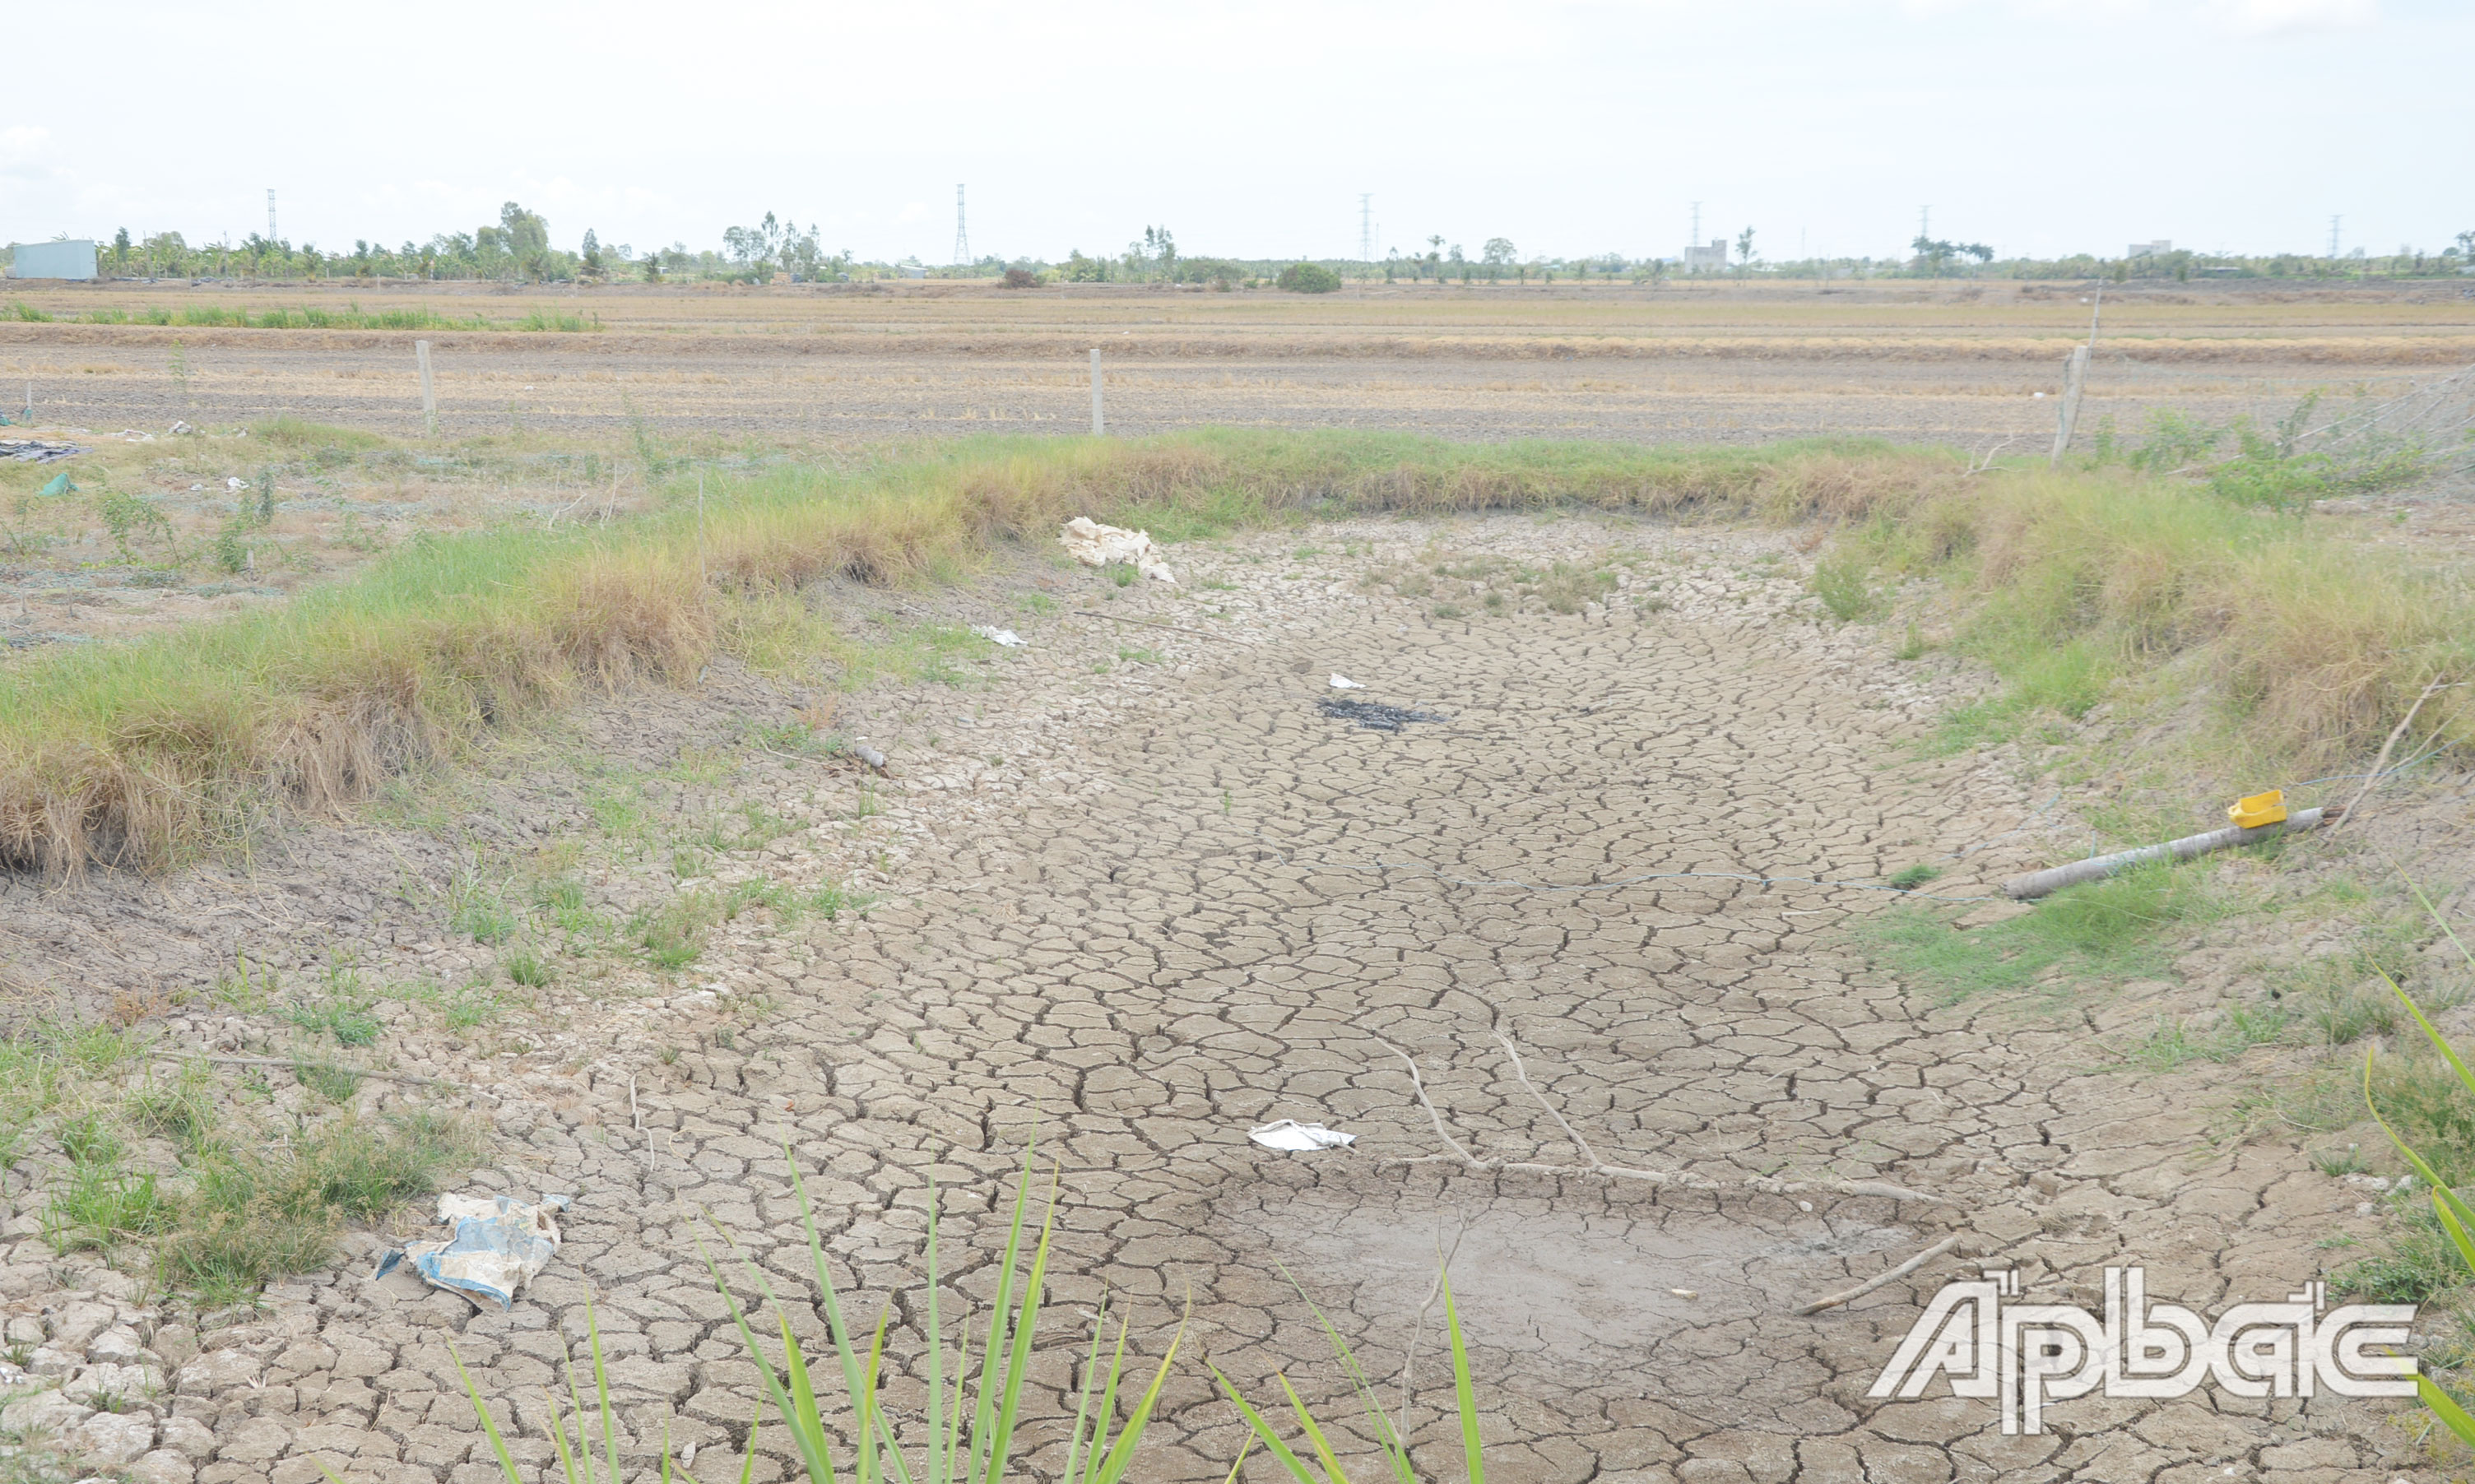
1136	894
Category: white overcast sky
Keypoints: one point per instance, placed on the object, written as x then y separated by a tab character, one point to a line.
2036	126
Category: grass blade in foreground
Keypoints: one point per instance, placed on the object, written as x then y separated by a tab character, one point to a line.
992	1407
2456	1220
1097	1455
1395	1447
1464	1396
575	1463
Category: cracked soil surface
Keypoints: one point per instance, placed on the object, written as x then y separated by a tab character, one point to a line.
1131	906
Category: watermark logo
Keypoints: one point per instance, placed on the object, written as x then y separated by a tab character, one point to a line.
2024	1355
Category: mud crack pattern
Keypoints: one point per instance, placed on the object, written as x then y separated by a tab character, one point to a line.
1203	915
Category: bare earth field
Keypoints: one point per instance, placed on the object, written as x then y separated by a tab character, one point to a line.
1728	362
1133	892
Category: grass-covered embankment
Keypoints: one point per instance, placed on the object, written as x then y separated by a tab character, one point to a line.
2068	585
2073	585
132	754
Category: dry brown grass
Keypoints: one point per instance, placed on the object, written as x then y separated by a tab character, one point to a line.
2312	641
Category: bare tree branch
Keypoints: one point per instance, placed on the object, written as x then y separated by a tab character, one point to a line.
1879	1279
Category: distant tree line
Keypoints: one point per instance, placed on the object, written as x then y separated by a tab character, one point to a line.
517	248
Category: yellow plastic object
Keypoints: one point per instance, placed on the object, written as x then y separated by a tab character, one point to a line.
2250	814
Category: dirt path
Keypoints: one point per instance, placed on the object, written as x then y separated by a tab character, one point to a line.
1140	909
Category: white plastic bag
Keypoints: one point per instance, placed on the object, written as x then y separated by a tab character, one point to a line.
1095	545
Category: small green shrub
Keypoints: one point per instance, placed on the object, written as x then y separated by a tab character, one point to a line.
1307	278
231	551
126	516
1840	582
2176	443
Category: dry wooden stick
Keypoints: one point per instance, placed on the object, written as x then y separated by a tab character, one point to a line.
1766	1184
1418	1085
2382	762
1522	1074
1769	1186
1979	466
1879	1279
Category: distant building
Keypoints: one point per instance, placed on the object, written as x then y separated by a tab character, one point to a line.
1707	260
2157	248
910	271
52	261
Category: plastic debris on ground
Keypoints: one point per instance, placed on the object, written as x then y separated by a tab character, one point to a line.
1297	1139
1374	715
1095	545
180	427
36	451
60	484
235	483
1341	682
496	1246
1000	636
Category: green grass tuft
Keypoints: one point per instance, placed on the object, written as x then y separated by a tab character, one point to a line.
2104	930
259	1211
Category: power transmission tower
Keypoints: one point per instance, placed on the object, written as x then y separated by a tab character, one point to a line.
2333	234
961	238
1366	227
1924	224
1696	238
270	216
